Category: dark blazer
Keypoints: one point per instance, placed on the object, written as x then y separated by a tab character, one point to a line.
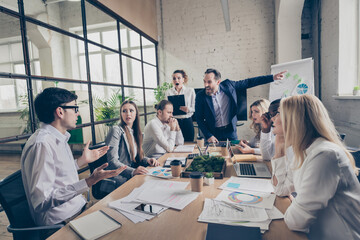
204	108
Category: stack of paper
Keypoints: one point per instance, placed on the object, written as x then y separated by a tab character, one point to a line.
184	149
168	194
160	172
252	196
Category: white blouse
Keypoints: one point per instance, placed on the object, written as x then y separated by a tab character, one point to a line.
327	205
189	95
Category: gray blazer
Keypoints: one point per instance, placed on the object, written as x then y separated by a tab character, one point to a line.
118	155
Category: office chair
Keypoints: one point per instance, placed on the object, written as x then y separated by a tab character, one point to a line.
95	189
14	202
356	156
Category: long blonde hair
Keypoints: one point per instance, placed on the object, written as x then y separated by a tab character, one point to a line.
304	118
263	106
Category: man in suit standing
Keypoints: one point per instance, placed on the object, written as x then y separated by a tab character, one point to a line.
216	105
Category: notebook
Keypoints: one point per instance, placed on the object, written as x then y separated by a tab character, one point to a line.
94	225
220	231
256	170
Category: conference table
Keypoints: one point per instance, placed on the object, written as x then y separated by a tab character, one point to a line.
174	224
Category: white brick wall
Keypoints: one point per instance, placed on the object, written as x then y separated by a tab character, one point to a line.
194	39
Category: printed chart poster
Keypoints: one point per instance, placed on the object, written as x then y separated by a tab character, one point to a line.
299	79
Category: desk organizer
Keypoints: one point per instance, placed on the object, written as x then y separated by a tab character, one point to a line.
205	164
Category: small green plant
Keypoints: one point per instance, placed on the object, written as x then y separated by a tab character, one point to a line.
24	114
356	88
160	90
109	108
209	175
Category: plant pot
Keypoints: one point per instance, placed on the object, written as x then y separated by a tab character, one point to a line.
356	92
209	181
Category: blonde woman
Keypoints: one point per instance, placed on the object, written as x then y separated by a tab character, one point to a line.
257	109
327	205
179	79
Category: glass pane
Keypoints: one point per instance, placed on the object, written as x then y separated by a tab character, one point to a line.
10	45
150	100
131	71
81	90
112	68
130	42
101	27
102	130
148	51
62	14
14	108
10	4
137	96
106	102
150	76
59	55
96	67
10	92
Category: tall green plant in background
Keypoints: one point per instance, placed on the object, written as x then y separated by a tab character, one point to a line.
24	114
160	90
109	108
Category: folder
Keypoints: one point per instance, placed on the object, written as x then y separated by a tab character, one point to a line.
177	101
94	225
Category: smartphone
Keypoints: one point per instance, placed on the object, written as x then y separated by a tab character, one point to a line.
148	208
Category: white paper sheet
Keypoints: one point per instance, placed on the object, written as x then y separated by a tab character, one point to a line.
184	149
274	213
173	198
248	198
251	184
160	172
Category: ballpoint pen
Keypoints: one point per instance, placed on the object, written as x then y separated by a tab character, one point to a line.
233	206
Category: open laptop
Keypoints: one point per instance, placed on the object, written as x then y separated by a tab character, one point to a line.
252	170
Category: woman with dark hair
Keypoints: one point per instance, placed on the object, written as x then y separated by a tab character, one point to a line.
179	78
125	142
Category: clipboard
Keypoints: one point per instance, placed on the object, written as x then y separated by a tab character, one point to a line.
177	101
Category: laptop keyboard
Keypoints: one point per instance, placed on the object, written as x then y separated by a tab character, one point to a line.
247	169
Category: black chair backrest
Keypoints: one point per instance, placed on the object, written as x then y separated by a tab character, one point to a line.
14	202
97	163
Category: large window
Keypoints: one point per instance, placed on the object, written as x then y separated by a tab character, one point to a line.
80	46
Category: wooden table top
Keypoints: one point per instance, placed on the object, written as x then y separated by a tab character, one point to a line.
173	224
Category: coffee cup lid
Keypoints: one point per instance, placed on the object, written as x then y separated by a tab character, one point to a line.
175	163
196	175
200	138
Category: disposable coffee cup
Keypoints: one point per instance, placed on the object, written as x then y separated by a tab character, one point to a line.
200	142
175	168
224	152
196	180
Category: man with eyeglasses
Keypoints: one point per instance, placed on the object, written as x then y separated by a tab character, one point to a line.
49	171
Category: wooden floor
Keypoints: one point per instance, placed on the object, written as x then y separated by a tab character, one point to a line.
8	165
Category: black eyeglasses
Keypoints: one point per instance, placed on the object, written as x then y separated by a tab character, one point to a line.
274	114
76	108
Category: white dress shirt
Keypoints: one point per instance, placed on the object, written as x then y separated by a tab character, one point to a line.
267	145
189	96
159	139
50	177
327	205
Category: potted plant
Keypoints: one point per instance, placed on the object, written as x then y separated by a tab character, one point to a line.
209	178
160	90
356	91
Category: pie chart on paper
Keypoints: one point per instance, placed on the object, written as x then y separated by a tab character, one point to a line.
244	198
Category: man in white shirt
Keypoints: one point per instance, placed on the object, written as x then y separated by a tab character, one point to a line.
49	171
163	132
